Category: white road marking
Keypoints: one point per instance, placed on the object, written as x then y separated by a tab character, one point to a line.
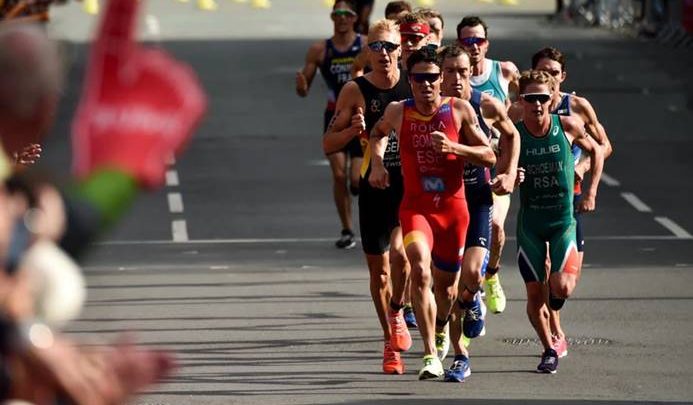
320	162
179	228
172	178
153	25
610	181
674	228
636	202
260	241
175	203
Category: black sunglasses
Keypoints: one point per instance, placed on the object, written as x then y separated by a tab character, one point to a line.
425	77
377	46
532	98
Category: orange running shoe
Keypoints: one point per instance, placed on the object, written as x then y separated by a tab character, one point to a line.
400	339
392	362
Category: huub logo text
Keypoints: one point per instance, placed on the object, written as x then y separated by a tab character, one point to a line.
544	150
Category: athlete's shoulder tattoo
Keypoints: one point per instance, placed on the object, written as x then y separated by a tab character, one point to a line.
330	126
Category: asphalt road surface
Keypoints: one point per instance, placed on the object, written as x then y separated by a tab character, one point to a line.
232	264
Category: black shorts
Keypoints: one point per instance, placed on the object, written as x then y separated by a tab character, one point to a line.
379	213
353	148
480	207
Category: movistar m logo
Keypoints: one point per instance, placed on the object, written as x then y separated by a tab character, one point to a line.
433	184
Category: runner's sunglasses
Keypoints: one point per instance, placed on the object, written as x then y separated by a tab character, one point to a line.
425	77
342	13
532	98
377	46
471	41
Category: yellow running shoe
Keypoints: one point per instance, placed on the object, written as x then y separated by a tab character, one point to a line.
207	5
261	3
495	296
91	7
443	343
432	368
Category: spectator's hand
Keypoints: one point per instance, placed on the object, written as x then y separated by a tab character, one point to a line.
101	375
29	155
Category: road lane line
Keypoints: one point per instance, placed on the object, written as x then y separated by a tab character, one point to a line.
610	181
172	178
175	203
153	26
318	162
179	228
636	202
674	228
259	241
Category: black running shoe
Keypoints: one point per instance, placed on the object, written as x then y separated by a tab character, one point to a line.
549	362
347	241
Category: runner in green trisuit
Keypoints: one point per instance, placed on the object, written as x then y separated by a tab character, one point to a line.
546	203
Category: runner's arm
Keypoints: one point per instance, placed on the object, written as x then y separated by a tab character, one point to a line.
379	177
476	148
305	77
506	166
358	67
594	128
575	127
512	74
342	128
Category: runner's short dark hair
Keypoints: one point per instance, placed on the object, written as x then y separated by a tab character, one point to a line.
425	55
450	51
431	13
396	7
471	21
350	3
549	53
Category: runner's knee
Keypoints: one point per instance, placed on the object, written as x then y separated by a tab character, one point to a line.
562	285
420	275
339	176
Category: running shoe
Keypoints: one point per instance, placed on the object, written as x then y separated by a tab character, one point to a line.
443	343
474	314
409	317
400	339
495	296
459	370
432	368
560	345
346	241
549	362
207	5
392	361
